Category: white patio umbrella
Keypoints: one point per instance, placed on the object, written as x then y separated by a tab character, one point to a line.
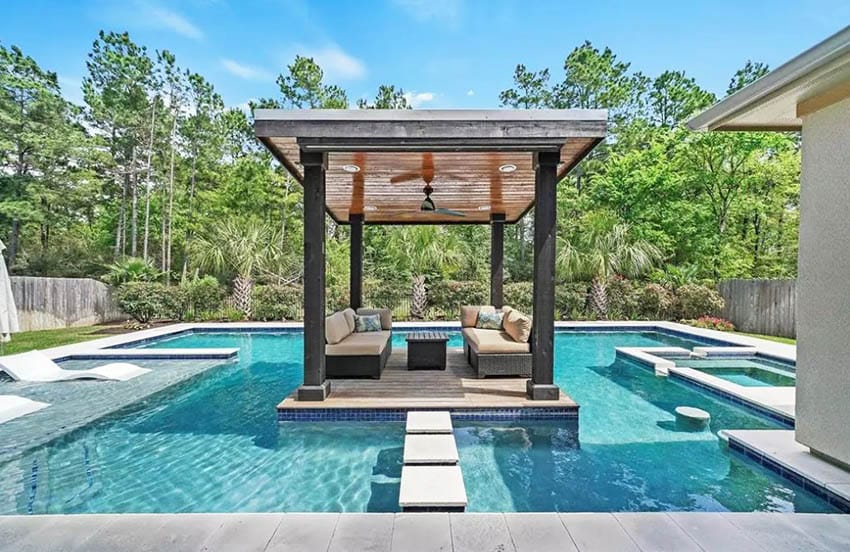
8	312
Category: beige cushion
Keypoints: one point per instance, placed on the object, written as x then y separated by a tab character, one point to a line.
493	341
336	328
357	344
349	319
517	325
385	314
469	314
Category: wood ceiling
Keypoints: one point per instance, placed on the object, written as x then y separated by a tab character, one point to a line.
469	182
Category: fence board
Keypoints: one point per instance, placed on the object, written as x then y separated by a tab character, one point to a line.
46	303
766	307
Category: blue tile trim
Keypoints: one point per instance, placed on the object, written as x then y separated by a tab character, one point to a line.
812	486
784	419
400	414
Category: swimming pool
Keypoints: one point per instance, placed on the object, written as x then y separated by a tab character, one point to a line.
213	445
746	371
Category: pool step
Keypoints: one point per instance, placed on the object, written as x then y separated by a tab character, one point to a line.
431	479
429	422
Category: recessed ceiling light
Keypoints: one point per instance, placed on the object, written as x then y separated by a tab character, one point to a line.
351	168
483	207
370	208
508	168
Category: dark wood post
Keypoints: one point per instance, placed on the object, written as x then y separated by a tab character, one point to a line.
356	262
541	386
315	387
497	259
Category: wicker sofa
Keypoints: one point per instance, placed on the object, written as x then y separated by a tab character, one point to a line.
494	352
351	354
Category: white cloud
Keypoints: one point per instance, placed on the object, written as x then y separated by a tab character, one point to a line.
336	63
416	99
173	21
243	71
446	11
470	92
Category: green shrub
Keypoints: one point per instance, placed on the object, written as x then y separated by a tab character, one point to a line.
519	295
131	269
694	301
337	297
570	300
277	302
445	297
622	303
143	301
175	303
654	302
203	295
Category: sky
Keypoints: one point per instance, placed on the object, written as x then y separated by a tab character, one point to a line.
444	53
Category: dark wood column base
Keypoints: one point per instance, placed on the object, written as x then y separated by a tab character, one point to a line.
542	392
314	392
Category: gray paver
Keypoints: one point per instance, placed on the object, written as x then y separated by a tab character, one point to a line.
539	533
363	532
432	486
598	532
713	532
430	449
774	532
138	532
303	532
425	532
438	421
36	533
188	531
480	532
832	530
656	532
243	532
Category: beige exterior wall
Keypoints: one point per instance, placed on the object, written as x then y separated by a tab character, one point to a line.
823	286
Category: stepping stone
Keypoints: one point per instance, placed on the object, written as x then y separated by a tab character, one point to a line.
430	449
432	488
429	422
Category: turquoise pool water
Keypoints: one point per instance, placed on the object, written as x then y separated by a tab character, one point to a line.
748	372
214	445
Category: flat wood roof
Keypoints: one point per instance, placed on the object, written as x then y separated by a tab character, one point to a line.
464	153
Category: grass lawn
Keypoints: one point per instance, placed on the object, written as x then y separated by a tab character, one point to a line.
42	339
788	340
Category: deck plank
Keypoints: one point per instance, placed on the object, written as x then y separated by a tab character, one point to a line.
455	387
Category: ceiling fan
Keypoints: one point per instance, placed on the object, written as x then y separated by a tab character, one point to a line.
427	175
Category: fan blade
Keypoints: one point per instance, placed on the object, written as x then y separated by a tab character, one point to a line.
405	177
449	212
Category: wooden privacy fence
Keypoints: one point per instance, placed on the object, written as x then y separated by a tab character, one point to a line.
766	307
45	303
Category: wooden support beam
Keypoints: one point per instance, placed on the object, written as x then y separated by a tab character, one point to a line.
541	386
497	259
315	387
356	262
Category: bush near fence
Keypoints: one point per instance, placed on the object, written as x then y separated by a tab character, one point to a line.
628	300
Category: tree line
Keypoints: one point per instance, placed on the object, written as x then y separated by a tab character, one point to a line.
154	168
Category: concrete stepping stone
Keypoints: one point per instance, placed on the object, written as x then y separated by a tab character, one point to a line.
430	449
432	488
429	422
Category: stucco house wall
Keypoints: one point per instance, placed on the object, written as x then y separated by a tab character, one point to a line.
823	285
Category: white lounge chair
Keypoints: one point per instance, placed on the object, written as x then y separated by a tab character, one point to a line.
12	406
36	366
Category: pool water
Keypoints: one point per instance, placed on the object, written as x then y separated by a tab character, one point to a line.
214	445
744	371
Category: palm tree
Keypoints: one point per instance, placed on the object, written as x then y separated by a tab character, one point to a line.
600	255
246	248
422	250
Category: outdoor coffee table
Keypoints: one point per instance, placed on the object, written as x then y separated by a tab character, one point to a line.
426	350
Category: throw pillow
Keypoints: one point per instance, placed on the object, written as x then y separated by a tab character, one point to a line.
367	322
489	321
518	326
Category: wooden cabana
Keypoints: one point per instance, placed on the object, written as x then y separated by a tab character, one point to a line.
429	167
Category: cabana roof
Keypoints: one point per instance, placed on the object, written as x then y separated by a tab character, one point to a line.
377	160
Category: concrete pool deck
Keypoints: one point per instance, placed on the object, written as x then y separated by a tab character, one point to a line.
462	532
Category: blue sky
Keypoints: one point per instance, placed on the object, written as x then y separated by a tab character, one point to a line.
445	53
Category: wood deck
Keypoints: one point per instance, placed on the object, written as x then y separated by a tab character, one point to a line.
455	387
